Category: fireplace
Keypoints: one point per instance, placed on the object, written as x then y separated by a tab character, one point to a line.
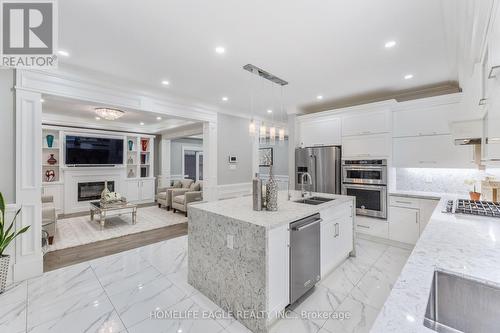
92	190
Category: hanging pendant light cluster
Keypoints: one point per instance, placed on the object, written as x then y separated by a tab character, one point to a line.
267	134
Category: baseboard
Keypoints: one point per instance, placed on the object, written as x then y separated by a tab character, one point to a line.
385	241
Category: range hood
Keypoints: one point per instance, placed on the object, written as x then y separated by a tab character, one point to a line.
467	132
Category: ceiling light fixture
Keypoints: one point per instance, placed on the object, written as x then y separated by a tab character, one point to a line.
269	111
63	53
158	118
220	50
42	100
390	44
141	123
320	97
408	76
109	113
225	99
165	82
97	118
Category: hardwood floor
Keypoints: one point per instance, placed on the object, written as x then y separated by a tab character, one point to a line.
74	255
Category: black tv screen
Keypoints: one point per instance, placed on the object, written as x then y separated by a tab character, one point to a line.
81	150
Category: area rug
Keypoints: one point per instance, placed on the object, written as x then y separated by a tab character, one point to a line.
81	230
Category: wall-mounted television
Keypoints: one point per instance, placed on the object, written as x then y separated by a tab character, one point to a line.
81	150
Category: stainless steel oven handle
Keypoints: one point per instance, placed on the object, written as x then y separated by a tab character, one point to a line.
365	187
305	226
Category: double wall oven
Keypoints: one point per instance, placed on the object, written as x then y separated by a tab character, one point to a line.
367	181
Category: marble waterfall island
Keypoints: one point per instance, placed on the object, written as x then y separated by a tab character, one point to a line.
240	258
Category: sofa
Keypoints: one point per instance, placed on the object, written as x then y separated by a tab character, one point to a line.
181	199
49	215
164	196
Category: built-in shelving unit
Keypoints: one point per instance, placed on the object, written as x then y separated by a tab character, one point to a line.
51	148
145	157
132	148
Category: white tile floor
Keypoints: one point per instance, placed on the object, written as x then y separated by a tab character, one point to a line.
117	294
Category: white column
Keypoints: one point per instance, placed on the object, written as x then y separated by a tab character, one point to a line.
28	260
210	161
165	161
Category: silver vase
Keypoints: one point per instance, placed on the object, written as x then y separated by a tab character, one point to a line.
272	192
4	269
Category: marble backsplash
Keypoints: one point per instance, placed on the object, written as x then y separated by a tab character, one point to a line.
440	180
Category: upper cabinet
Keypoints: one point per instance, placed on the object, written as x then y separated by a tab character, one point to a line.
366	146
423	121
365	123
320	131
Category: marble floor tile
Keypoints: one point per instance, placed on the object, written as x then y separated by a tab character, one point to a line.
374	288
71	281
137	304
346	276
392	262
180	280
13	304
368	251
294	325
319	304
361	317
194	323
168	257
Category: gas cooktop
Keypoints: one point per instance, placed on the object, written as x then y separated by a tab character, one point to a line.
471	207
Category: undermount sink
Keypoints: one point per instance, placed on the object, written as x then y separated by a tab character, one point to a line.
457	304
314	200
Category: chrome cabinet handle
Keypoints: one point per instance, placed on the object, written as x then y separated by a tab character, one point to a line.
307	225
363	226
403	202
337	231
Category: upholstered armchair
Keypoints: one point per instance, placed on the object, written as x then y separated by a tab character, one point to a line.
181	199
49	215
164	196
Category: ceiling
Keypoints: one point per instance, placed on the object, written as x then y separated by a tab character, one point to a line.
330	48
68	112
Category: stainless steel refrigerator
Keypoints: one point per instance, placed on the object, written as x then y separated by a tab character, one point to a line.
324	166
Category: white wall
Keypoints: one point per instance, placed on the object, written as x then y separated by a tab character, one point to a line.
176	152
7	135
233	139
280	158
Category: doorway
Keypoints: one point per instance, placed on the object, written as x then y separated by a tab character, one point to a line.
192	163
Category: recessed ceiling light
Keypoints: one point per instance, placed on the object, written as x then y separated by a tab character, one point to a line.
269	111
63	53
390	44
97	118
225	99
141	123
220	50
408	76
165	82
320	97
42	100
158	118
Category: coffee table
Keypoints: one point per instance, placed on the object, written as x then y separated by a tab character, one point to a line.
96	207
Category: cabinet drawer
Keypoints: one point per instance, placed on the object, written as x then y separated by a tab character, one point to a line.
334	213
404	202
373	227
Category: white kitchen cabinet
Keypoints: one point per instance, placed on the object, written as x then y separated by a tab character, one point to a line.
366	146
404	225
336	236
408	217
423	121
370	122
57	192
372	226
323	131
436	151
278	269
140	190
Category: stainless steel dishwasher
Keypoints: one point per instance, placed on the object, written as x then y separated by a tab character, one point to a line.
304	255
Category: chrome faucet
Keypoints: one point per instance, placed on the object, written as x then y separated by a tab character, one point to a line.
302	191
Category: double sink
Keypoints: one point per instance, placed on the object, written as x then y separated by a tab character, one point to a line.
314	200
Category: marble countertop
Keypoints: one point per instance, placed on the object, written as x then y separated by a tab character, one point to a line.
420	194
288	210
461	244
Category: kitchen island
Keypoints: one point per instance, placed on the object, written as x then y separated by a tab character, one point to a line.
240	258
466	246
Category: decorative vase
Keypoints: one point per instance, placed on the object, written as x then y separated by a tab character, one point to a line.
50	175
131	173
271	192
52	160
105	191
475	196
130	145
144	144
4	269
50	140
130	160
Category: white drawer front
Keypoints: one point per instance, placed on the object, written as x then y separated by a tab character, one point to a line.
404	202
373	227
